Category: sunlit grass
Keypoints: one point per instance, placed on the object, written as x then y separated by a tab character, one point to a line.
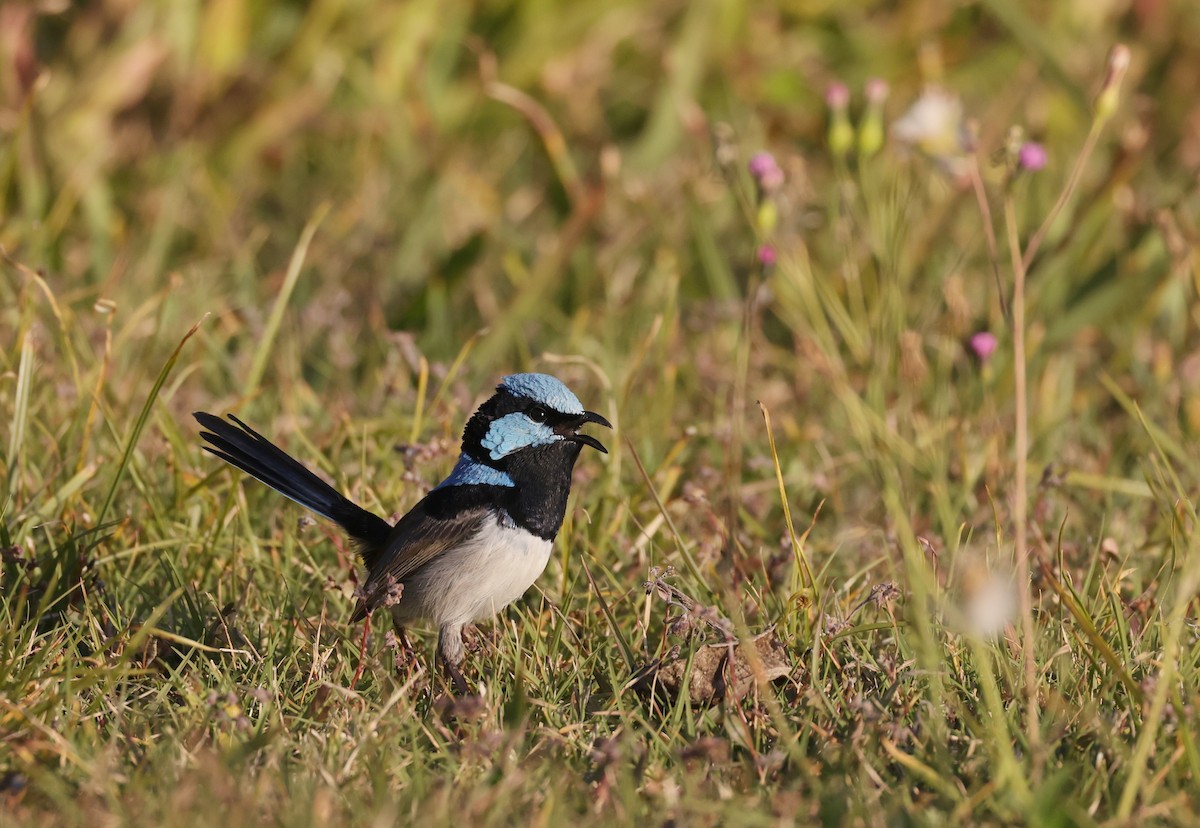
365	217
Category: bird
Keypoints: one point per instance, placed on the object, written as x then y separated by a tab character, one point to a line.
476	541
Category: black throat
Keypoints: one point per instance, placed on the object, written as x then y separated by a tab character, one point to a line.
543	481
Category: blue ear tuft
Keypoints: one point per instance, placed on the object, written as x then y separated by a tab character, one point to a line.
544	389
514	432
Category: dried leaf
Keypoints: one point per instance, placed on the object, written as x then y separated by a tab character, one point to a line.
718	672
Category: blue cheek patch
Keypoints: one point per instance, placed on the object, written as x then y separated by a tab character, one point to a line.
544	389
469	472
513	432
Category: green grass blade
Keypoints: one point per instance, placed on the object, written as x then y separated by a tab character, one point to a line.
143	415
258	365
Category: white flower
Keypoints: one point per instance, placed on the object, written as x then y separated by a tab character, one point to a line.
934	125
991	606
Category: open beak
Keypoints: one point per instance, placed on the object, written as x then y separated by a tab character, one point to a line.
587	439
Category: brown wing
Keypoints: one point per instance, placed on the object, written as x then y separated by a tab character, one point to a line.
415	540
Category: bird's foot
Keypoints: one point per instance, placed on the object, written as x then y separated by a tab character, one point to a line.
456	678
405	656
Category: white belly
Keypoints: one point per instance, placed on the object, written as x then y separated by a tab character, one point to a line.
475	580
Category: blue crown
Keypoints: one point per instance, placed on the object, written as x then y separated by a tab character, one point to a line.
542	388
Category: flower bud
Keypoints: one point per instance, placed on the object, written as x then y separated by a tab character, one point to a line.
1110	92
767	217
841	134
870	131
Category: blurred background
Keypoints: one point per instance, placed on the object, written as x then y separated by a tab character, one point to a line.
527	178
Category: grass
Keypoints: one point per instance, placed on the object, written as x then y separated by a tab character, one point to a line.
346	223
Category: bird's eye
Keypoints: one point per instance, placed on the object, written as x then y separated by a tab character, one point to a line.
538	414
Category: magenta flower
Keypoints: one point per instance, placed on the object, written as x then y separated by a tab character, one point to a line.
767	256
983	345
1032	156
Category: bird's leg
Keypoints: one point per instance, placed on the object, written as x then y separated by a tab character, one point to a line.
362	652
405	645
406	656
450	648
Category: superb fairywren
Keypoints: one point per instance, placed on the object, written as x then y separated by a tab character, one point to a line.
474	543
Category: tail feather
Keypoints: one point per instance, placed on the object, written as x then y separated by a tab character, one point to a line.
243	447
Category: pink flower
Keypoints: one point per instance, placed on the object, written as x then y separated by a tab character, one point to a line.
983	345
876	91
837	95
767	256
766	172
1032	156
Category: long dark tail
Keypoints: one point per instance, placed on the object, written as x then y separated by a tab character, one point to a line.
242	446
